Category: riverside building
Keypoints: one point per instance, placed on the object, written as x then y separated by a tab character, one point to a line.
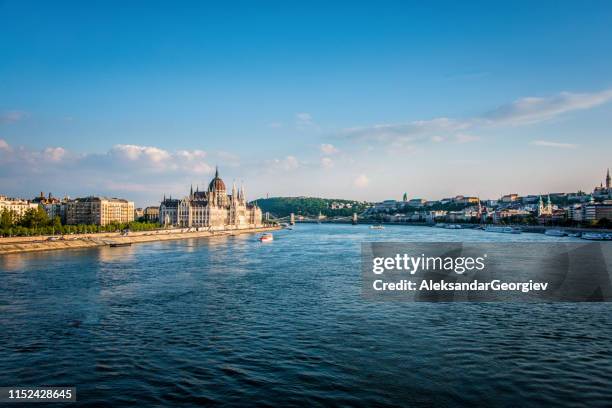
99	211
212	209
16	206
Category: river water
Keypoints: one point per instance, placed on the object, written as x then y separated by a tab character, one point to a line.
231	321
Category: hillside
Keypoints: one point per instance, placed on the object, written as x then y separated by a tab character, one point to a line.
309	206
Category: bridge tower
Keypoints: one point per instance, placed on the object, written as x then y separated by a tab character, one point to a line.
354	221
292	219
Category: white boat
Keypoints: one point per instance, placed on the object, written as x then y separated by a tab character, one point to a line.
596	236
555	233
503	230
378	227
452	226
266	238
574	234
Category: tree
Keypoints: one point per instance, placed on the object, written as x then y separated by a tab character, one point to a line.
35	218
6	218
57	223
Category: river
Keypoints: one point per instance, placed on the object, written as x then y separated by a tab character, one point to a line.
232	321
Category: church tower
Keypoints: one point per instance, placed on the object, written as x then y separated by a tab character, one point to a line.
608	183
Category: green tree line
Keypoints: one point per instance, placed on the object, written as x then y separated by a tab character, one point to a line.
307	206
37	222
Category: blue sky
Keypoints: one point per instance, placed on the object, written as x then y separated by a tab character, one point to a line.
360	100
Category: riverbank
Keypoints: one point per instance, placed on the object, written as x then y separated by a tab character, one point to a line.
32	244
538	229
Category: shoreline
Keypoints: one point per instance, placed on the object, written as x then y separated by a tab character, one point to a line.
536	229
18	245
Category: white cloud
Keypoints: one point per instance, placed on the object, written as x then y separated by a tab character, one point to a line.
287	163
4	146
135	152
536	109
303	118
130	171
545	143
466	138
327	162
304	122
54	154
407	132
520	112
362	181
328	149
191	154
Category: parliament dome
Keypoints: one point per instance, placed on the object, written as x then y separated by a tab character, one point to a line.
216	184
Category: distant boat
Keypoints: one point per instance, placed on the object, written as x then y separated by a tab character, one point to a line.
266	238
452	226
597	236
555	233
574	234
440	225
503	230
378	227
120	244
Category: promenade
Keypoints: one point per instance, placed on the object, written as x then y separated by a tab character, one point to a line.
43	243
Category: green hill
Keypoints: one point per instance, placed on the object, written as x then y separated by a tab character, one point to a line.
309	206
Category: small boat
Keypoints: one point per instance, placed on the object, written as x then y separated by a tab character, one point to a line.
555	233
503	230
120	244
440	225
574	234
452	226
378	227
266	238
596	236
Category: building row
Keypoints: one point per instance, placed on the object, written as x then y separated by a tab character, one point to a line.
85	210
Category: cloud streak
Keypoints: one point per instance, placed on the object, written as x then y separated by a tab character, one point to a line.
557	145
524	111
537	109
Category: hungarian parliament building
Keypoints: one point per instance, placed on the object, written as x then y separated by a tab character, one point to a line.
213	209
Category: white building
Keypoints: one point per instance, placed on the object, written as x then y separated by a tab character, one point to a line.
16	206
214	209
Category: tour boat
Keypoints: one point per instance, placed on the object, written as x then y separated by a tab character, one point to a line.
377	227
504	230
555	233
596	236
266	238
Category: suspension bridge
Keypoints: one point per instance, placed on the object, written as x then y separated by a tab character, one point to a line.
291	219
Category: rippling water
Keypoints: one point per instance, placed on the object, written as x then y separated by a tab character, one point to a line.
232	321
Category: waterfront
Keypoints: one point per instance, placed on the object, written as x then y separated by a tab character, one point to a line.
229	320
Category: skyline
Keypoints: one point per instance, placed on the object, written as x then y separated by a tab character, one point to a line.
360	103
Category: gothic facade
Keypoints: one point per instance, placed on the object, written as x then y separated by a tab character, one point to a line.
212	209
